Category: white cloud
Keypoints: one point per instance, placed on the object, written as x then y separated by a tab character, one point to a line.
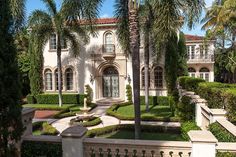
105	16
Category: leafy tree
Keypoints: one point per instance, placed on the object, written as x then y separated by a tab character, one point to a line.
11	128
23	57
64	24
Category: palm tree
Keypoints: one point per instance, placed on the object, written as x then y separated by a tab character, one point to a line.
64	23
128	35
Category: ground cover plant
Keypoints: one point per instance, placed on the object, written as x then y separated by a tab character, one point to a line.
43	128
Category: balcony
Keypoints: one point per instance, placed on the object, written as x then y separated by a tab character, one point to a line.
109	51
206	58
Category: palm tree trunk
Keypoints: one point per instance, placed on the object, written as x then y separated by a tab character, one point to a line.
134	49
59	69
146	58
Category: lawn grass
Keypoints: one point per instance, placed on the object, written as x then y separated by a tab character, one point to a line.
50	106
121	134
157	111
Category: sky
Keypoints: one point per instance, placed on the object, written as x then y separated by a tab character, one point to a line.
107	10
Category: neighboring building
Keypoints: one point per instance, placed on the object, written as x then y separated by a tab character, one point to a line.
104	66
200	57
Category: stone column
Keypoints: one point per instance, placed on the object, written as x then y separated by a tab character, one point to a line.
203	144
27	117
72	141
198	110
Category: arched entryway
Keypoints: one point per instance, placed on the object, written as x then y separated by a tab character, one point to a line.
110	82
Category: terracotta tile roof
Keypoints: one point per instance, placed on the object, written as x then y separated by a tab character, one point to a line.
193	37
106	21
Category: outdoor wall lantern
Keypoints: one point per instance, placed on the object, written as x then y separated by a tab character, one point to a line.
91	78
129	79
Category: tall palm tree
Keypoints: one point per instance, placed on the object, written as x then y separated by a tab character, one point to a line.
64	23
129	37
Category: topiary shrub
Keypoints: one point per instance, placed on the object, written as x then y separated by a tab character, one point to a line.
89	94
31	99
186	127
129	93
49	130
186	109
191	84
37	148
221	133
181	80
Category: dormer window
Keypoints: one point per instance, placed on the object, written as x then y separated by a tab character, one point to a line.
53	43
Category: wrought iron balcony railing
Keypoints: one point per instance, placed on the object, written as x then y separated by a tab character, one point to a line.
109	48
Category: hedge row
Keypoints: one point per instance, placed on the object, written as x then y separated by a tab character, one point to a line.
44	128
189	83
36	149
158	100
221	133
91	122
112	112
186	127
185	109
225	154
218	95
130	127
53	99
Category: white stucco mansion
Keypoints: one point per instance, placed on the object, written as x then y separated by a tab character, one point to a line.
104	66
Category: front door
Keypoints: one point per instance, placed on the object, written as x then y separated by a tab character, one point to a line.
110	82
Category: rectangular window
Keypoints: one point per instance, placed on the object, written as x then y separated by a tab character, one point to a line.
53	43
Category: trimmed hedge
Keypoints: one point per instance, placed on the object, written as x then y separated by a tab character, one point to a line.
186	127
225	154
130	127
91	122
189	83
221	133
158	100
66	98
186	109
36	148
30	99
218	95
129	93
44	128
112	112
49	106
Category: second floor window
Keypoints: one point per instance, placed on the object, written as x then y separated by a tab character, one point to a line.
53	43
109	43
191	51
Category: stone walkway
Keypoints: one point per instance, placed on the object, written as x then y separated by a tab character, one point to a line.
100	111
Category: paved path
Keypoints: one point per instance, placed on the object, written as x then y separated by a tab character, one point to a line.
100	111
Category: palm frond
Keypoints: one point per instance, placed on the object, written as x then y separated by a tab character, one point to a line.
51	6
121	13
18	12
39	17
73	42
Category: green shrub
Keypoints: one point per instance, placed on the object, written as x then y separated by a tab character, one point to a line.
90	122
49	130
181	80
186	127
186	109
89	93
130	127
221	133
66	98
37	125
31	99
129	93
192	83
49	106
225	154
230	97
152	100
37	148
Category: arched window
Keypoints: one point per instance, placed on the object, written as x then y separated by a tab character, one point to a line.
109	46
143	78
48	79
205	73
56	80
192	72
158	77
69	79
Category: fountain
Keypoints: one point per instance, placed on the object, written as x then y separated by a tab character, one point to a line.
84	116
